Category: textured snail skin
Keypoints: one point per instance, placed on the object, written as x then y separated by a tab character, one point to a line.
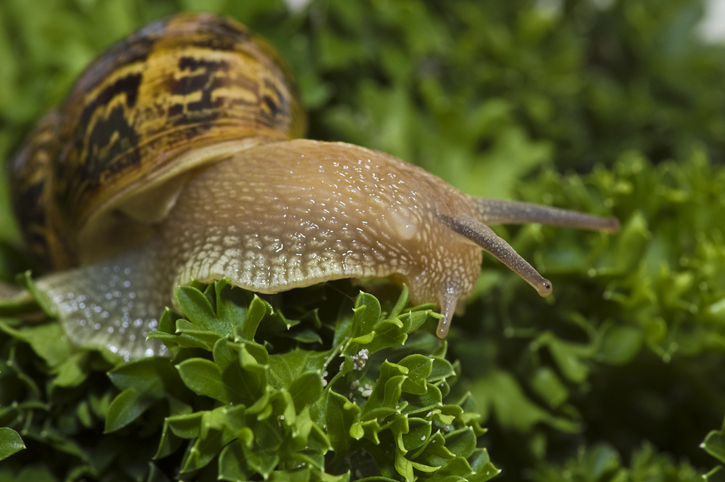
196	202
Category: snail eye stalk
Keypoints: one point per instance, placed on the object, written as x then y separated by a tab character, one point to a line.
490	242
499	211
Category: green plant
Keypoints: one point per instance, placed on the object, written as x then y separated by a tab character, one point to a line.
227	407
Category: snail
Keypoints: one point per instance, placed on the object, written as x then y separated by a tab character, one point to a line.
176	157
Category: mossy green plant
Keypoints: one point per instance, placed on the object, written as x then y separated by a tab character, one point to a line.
359	403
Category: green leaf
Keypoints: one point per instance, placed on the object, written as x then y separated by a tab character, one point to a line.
231	464
44	340
715	475
306	335
258	309
196	306
226	357
401	303
287	367
441	369
457	466
204	377
620	344
482	466
26	281
169	442
192	336
384	399
500	392
418	433
153	375
155	474
10	442
714	444
72	371
404	467
127	407
366	315
547	384
232	305
203	451
143	382
261	462
306	390
254	361
461	442
388	333
187	425
340	414
419	369
33	474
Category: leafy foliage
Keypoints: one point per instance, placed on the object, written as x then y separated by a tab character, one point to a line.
714	445
632	346
225	406
618	376
602	463
10	442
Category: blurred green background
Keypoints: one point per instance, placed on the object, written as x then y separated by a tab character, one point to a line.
613	107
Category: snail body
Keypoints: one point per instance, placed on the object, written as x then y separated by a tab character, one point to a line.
174	159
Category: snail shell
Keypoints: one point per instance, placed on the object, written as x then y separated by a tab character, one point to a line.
171	160
176	95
